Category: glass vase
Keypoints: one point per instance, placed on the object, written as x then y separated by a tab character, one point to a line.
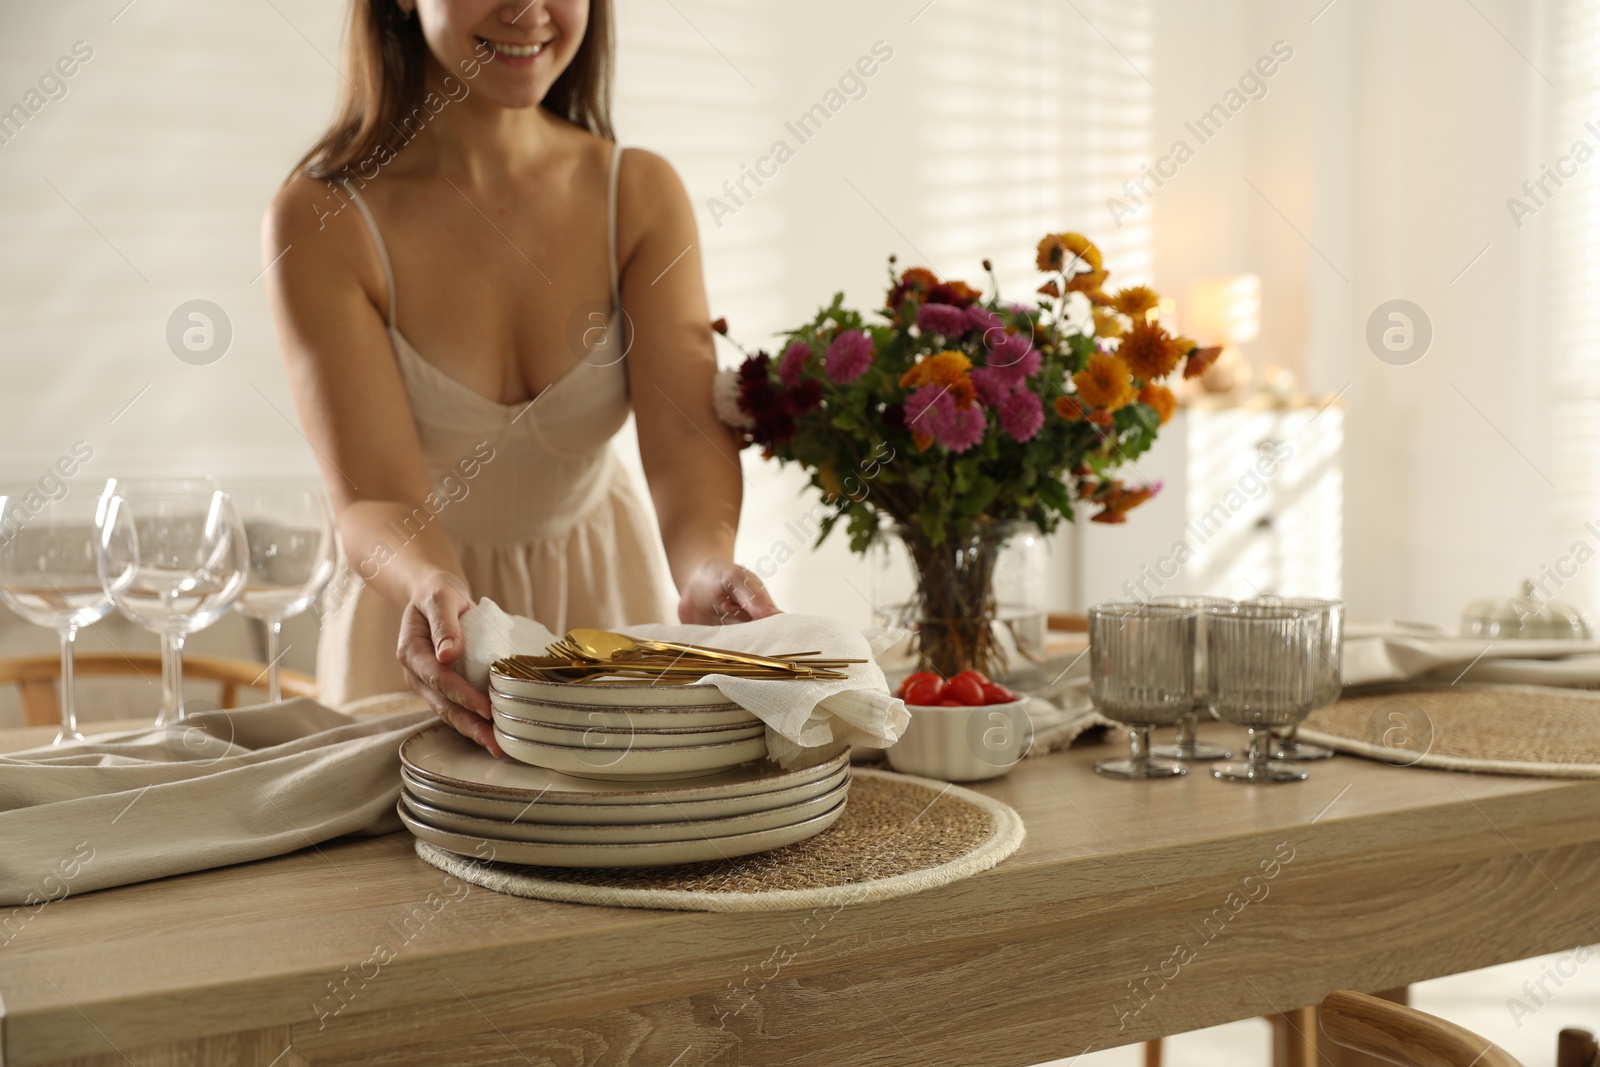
974	601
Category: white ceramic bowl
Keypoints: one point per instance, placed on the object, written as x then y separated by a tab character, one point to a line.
965	744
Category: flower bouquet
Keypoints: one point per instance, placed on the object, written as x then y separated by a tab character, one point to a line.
953	418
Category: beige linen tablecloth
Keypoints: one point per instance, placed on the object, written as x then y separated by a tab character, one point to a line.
221	787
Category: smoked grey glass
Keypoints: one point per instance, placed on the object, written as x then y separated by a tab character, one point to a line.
1330	672
1141	674
1188	746
1263	663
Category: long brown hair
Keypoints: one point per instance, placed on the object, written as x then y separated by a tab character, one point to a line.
386	56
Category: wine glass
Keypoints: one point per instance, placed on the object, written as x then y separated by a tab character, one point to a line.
291	537
1329	670
1263	661
1188	746
173	557
49	577
1141	674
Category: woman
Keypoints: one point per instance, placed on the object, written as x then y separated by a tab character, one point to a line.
473	285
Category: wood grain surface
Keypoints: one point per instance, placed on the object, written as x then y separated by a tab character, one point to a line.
1134	910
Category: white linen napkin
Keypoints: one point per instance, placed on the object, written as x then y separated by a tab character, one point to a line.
806	720
1375	654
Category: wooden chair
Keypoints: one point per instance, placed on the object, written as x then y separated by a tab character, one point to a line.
1577	1048
1403	1035
37	677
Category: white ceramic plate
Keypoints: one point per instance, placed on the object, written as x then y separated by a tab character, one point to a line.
613	814
614	740
621	717
623	833
645	854
440	755
664	764
608	694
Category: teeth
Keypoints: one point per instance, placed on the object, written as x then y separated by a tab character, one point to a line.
517	50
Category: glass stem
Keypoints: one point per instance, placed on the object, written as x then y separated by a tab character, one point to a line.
169	693
177	676
69	703
1186	734
1139	746
1260	751
274	629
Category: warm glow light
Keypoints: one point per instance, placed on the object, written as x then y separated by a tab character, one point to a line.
1225	309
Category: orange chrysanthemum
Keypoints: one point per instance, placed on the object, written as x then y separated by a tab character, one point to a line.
1100	417
1105	383
1069	408
1058	250
1150	351
1107	323
1117	500
947	369
1200	361
922	440
1160	398
1088	283
1049	288
1136	301
918	280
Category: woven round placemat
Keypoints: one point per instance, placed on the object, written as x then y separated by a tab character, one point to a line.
1491	729
898	835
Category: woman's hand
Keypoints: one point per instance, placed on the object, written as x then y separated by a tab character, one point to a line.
720	591
431	640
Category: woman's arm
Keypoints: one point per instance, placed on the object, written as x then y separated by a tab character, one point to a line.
328	299
691	459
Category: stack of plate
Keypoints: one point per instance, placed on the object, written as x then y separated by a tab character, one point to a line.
462	799
623	731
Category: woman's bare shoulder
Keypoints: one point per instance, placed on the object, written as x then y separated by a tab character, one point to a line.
316	229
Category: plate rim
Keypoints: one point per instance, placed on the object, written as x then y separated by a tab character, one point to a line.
696	826
831	816
842	774
826	767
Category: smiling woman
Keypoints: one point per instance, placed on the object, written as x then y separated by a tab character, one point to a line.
492	230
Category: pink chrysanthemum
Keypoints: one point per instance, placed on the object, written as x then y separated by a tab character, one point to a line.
962	428
944	319
1021	415
793	362
1014	352
983	320
918	417
848	356
994	384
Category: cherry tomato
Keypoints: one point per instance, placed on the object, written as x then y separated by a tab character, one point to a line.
924	691
912	678
977	676
964	690
994	693
950	704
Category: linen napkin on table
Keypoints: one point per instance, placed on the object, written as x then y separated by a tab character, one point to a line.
218	788
806	720
1376	653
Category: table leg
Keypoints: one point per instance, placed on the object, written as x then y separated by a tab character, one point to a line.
1152	1053
1294	1038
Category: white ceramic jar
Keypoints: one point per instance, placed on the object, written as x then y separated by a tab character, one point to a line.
963	744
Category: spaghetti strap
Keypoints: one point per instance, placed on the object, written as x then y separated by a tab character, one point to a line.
611	226
377	243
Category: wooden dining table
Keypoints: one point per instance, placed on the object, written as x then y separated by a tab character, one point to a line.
1133	910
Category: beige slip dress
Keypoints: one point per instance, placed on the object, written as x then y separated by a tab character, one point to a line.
545	518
